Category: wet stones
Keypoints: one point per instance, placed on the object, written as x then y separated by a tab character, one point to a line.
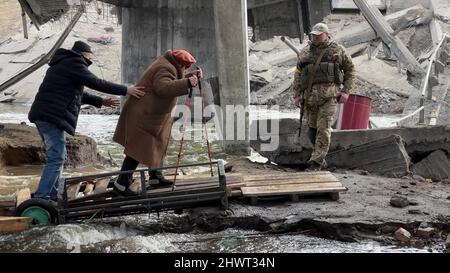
21	144
425	232
399	201
402	235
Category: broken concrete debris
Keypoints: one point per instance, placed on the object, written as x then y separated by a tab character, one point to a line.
425	232
399	201
402	235
386	156
21	144
272	63
435	166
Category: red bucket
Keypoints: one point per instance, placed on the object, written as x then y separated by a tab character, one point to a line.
355	113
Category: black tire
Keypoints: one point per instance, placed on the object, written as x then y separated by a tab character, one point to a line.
46	205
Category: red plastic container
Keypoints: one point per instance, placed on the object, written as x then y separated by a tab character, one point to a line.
355	113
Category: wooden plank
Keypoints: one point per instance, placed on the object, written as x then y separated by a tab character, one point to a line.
286	182
300	177
6	211
72	191
7	201
22	195
284	174
94	197
291	189
101	185
234	193
295	186
203	179
181	188
13	224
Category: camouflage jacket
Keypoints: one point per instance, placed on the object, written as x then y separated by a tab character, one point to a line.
336	55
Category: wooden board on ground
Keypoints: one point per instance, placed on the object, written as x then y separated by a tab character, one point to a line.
241	185
7	201
273	190
13	224
292	185
22	195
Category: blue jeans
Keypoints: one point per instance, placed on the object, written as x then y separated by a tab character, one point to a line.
55	148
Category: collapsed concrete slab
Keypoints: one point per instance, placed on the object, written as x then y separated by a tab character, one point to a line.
435	166
21	145
362	33
293	149
386	156
387	34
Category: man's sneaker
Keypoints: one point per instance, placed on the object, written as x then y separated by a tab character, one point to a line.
313	166
123	191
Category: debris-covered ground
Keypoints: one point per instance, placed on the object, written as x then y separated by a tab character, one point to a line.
373	207
91	25
410	211
271	65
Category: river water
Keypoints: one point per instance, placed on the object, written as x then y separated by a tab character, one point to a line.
131	235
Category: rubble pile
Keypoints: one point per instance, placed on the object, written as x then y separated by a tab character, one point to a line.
379	76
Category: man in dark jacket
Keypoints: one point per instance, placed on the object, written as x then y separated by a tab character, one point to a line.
57	105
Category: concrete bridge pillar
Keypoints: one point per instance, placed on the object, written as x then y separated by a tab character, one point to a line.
215	32
232	52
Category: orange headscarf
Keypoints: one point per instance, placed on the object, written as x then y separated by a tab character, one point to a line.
184	58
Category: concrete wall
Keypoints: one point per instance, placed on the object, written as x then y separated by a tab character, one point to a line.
45	10
278	19
318	9
163	25
396	5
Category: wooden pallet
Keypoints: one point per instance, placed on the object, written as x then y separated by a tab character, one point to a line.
292	185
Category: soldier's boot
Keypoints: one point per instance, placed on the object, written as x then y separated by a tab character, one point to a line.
313	166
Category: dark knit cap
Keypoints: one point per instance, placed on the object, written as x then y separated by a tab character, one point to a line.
81	47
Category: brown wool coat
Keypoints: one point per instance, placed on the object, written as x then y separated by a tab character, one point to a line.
144	126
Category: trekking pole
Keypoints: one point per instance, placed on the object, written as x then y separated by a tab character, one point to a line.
188	103
204	124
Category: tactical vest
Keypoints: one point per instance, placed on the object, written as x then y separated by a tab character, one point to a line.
327	72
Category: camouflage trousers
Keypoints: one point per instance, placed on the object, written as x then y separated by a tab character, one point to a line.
320	111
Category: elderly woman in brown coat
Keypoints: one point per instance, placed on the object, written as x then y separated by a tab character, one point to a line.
144	126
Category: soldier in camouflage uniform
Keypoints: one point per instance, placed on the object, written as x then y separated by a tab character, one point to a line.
331	82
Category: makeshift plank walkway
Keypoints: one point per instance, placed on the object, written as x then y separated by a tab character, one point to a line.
238	185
